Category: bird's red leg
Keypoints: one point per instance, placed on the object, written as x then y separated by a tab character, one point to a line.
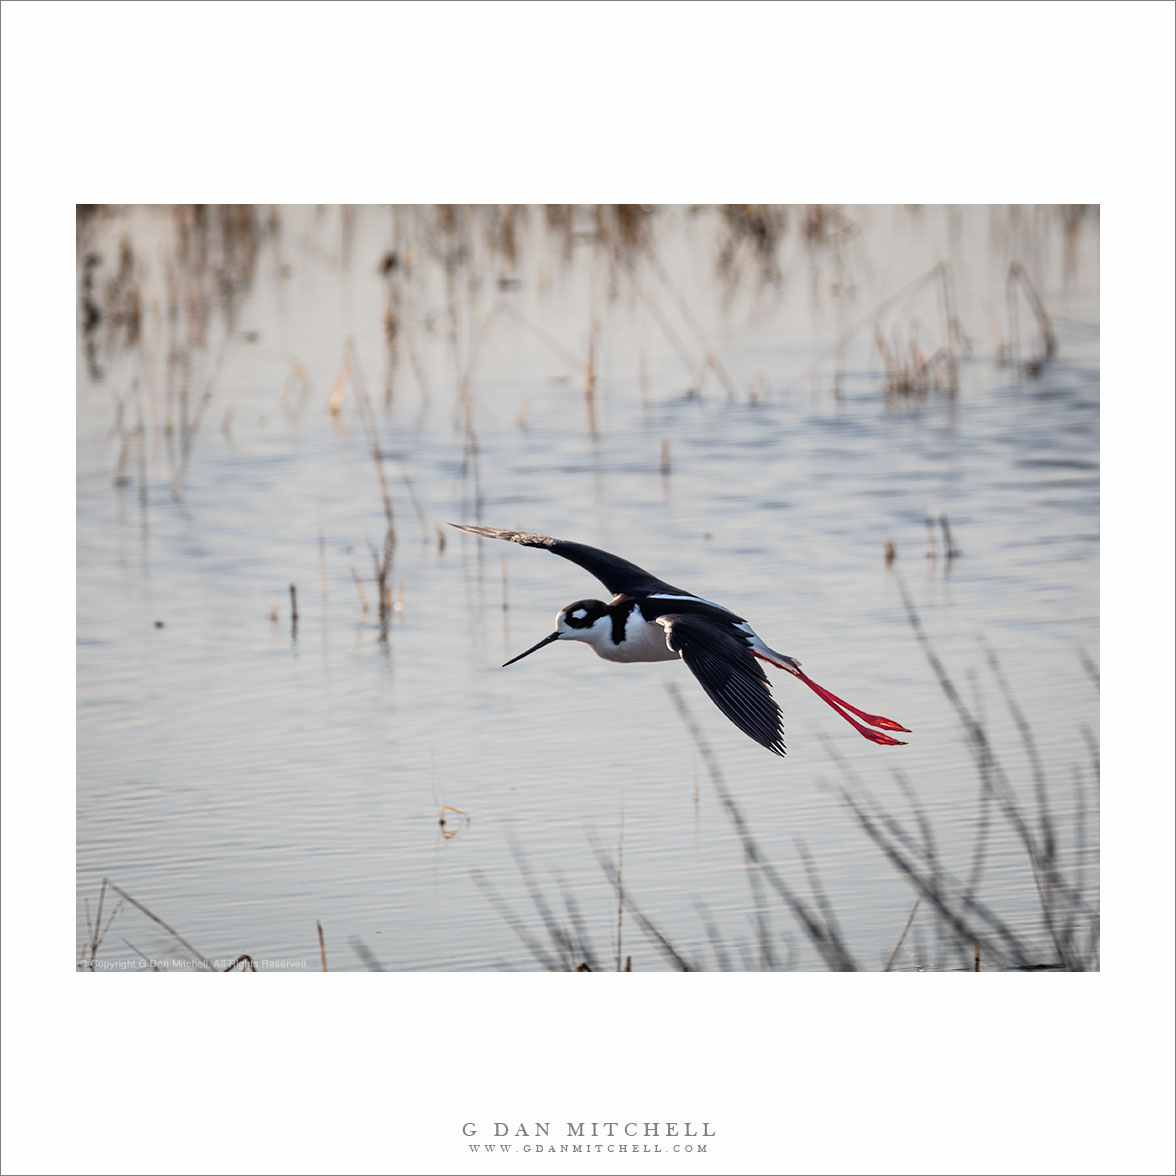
873	736
841	706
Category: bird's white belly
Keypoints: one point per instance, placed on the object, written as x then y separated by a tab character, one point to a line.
645	641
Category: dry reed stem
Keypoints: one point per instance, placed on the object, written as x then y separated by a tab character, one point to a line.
166	926
590	381
710	358
646	924
95	931
667	329
940	271
359	588
416	505
902	937
323	573
824	937
1018	277
620	876
295	391
190	428
545	337
367	416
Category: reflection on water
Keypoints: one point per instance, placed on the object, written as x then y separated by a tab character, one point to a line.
290	706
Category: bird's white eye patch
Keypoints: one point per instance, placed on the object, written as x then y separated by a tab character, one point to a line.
578	614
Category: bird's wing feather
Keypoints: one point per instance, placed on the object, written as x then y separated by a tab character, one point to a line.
616	574
734	680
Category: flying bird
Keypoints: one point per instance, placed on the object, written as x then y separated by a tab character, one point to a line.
648	620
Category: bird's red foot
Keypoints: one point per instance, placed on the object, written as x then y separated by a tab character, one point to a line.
841	706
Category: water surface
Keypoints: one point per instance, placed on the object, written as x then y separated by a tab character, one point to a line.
243	775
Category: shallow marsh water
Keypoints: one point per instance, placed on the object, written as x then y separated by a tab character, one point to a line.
243	775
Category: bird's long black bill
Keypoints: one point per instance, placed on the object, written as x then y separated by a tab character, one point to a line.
546	641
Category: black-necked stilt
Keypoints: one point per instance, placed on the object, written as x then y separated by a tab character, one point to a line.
649	620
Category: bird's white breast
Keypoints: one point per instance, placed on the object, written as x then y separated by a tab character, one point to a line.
645	641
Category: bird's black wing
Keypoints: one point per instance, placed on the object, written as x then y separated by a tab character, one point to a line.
720	660
616	574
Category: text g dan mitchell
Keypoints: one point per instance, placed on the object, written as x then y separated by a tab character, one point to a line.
606	1130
